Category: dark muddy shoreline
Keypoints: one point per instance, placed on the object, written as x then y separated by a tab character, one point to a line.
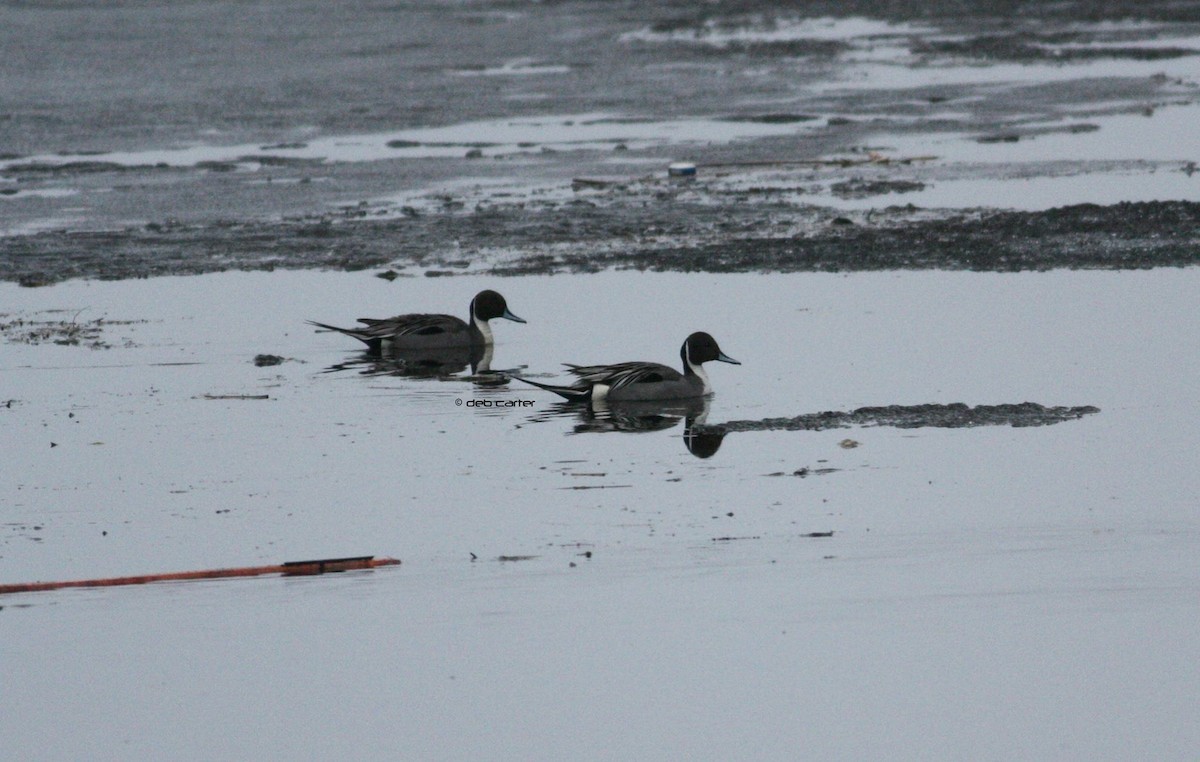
586	238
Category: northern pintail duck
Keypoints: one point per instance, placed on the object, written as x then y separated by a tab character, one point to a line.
644	381
420	331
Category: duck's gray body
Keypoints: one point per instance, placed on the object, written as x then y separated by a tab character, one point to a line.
419	331
428	331
644	381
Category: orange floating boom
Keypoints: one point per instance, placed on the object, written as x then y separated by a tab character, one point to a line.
291	568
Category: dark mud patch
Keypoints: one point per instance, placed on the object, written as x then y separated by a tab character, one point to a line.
1034	48
171	249
857	188
1121	236
274	160
753	49
773	118
672	234
71	332
953	416
69	168
1019	134
682	17
439	144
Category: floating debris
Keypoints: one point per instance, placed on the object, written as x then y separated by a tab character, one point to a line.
288	569
806	471
236	396
598	486
67	333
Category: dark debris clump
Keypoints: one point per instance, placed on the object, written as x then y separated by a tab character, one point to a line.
952	416
71	333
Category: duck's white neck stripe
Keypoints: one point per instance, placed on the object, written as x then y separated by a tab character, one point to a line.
484	328
699	371
485	363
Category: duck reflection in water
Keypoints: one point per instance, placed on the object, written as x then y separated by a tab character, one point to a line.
640	417
441	362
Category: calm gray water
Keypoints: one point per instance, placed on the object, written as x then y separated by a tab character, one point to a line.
655	589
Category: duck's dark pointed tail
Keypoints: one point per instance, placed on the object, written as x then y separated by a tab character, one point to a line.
569	393
373	342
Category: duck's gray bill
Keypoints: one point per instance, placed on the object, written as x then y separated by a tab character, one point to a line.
722	357
509	316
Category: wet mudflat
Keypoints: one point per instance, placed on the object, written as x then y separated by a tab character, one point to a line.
944	508
871	139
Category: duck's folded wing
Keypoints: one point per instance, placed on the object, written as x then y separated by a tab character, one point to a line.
624	374
412	325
